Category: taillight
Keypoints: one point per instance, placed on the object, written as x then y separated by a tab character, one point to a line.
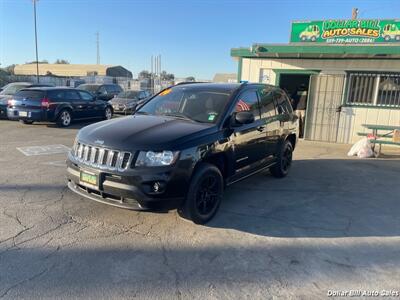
45	103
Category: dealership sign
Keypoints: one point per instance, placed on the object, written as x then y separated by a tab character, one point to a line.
346	31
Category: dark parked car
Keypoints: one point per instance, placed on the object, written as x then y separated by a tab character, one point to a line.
9	90
61	105
126	102
183	146
103	92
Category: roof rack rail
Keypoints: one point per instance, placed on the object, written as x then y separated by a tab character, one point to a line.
190	82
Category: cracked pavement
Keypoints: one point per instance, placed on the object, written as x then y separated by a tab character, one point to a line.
332	224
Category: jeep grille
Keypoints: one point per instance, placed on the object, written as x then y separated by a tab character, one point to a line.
102	158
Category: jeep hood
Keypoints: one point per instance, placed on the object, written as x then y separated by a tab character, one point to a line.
144	132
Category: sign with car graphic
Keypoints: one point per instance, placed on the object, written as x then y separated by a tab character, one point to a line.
365	31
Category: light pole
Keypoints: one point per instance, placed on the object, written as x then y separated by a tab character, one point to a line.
37	59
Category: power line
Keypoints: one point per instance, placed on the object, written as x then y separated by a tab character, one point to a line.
98	47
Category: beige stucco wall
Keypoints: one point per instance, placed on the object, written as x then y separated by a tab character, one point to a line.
351	118
251	66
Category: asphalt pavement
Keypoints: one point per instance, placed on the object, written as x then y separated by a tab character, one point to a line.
332	225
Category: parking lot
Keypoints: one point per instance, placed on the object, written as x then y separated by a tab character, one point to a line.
333	224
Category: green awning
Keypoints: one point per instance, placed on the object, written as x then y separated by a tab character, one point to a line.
386	51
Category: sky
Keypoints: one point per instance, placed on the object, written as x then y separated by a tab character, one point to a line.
193	37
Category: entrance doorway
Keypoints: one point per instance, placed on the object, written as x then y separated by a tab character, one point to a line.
291	82
296	86
323	115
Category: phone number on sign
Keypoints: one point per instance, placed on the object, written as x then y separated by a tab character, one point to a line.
350	40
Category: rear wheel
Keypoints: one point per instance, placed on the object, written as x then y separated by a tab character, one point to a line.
65	118
26	122
204	195
108	113
284	160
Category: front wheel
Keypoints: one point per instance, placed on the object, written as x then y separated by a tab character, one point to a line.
283	160
108	113
64	119
204	195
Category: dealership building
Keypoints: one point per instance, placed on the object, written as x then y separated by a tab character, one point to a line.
351	70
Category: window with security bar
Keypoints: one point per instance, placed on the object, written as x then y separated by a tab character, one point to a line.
374	89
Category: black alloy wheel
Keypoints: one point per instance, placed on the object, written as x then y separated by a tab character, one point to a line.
204	195
283	160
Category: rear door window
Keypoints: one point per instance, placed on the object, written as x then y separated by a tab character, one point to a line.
85	96
72	95
117	88
110	89
282	102
267	105
102	90
56	95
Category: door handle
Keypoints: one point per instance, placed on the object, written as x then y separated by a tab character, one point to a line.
260	128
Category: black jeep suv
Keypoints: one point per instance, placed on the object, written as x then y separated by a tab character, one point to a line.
183	146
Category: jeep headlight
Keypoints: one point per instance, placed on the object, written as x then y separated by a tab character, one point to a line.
156	159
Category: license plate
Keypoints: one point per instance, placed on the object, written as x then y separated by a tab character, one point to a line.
88	178
23	114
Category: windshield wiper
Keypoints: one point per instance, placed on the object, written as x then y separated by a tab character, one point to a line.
177	115
141	112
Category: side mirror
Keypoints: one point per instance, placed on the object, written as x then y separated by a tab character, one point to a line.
241	118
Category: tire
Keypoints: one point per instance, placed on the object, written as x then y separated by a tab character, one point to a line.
284	160
204	195
64	118
26	122
313	38
108	113
387	38
397	38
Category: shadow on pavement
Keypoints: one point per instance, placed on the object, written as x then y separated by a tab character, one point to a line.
319	198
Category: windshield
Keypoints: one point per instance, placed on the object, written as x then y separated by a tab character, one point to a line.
12	89
89	87
204	105
128	94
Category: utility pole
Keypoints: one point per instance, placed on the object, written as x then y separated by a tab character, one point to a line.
152	76
354	13
36	44
98	47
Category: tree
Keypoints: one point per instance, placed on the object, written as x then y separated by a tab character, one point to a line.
61	62
9	69
167	76
190	78
144	75
40	62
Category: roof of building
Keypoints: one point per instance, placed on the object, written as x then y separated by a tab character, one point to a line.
225	77
72	70
305	50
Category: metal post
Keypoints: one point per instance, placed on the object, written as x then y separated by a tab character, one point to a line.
36	45
98	47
